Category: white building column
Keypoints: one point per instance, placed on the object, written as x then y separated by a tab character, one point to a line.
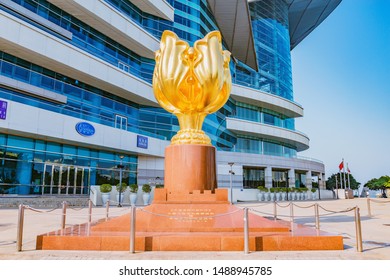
291	178
309	180
268	177
321	181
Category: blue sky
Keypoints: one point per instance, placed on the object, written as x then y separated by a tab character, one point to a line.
341	77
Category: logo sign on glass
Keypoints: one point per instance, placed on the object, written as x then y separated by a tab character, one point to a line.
142	142
3	110
85	129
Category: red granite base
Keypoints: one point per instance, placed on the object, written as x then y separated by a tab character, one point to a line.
189	227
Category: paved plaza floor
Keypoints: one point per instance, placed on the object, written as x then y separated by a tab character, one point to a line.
336	217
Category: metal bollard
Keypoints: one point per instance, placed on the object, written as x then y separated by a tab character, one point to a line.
358	225
246	231
292	212
88	229
132	229
275	211
107	209
19	233
89	211
316	210
63	217
369	207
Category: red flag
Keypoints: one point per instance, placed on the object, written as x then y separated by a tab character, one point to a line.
349	171
341	165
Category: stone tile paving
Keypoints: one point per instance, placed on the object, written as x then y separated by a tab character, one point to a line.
375	232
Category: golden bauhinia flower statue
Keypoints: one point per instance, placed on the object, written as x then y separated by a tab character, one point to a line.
191	82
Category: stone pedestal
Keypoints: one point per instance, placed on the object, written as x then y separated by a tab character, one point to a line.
189	214
189	227
190	168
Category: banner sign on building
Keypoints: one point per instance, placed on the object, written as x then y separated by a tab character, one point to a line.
3	110
85	129
142	142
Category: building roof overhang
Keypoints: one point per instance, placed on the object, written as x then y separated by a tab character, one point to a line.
234	22
305	15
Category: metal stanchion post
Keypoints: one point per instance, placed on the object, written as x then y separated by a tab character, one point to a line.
358	225
369	207
231	181
292	212
63	218
317	216
107	208
275	211
246	231
120	166
19	234
89	211
132	229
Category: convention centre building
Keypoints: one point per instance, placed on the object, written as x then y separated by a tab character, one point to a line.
77	106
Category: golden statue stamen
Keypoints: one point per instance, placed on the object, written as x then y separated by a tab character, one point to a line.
191	82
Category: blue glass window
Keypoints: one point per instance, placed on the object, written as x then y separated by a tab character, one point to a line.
29	166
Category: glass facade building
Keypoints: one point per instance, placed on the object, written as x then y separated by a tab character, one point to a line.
272	44
36	161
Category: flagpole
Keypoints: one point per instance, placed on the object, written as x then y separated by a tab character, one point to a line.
341	165
345	182
337	188
349	182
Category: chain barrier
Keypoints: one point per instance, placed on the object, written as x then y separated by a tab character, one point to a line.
376	201
133	210
281	206
39	211
76	209
359	242
286	216
256	205
263	213
19	233
303	216
63	215
304	207
336	212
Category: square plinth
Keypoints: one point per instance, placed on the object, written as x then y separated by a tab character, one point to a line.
189	227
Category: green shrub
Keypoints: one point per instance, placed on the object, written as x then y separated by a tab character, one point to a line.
121	189
146	188
105	188
133	188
